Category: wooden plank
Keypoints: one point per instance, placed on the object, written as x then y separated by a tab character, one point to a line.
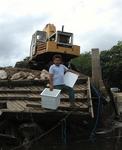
18	107
25	91
22	83
63	106
31	95
20	103
20	97
13	106
70	108
34	105
36	108
21	90
10	106
90	99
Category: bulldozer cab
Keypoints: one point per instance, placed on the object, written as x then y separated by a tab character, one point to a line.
37	37
64	39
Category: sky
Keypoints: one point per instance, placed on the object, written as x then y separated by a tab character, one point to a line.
95	24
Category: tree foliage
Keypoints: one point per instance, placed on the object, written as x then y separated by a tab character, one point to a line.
83	63
111	62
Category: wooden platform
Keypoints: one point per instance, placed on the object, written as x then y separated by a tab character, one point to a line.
24	96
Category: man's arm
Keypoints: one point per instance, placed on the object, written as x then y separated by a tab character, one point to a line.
51	81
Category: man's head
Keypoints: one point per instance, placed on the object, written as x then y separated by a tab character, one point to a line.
57	59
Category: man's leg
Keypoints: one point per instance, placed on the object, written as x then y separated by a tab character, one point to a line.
60	87
70	93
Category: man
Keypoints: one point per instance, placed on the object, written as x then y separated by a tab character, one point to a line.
56	72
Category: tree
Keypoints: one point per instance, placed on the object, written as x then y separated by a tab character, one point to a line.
111	62
83	63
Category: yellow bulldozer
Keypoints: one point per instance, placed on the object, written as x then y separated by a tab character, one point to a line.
48	42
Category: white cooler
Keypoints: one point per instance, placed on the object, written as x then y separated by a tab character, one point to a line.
50	99
70	79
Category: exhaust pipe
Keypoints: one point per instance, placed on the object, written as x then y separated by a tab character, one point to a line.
62	28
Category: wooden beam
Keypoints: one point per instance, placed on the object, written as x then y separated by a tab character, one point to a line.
90	99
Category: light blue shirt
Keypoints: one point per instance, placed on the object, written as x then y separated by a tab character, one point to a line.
58	73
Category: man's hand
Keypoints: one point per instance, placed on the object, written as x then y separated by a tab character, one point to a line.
51	87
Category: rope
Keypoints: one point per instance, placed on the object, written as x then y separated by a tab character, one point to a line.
64	132
46	133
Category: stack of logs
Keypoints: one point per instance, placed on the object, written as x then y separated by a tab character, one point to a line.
23	74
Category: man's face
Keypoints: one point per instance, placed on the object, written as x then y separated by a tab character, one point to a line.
57	61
